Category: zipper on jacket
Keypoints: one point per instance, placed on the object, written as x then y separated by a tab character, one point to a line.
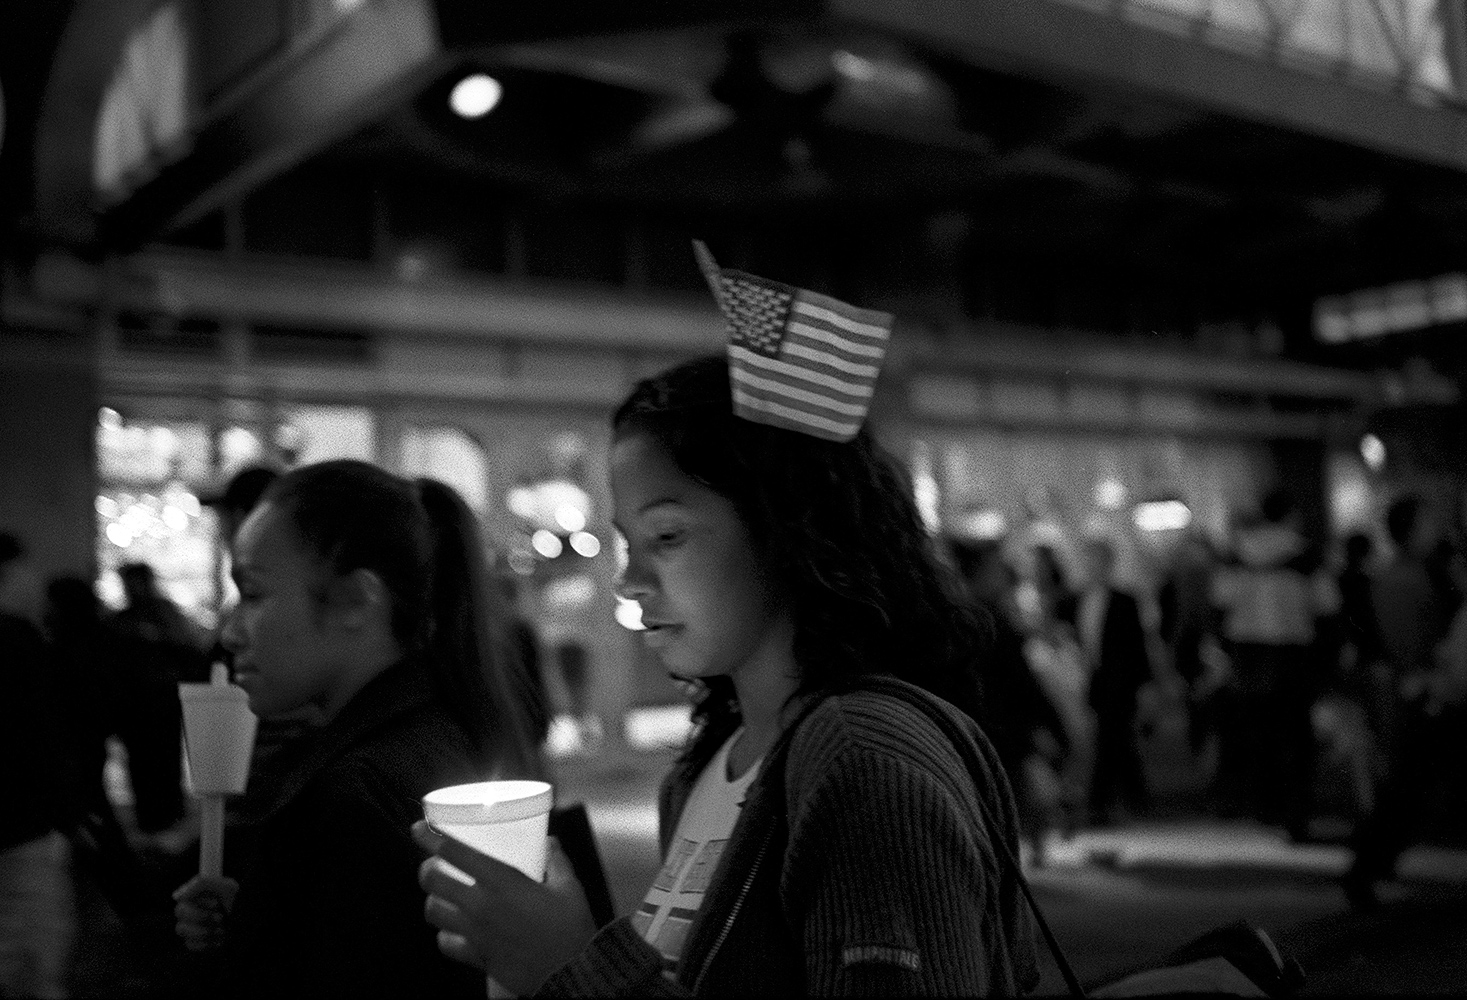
733	914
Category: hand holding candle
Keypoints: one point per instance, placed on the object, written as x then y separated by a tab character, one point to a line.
219	737
490	915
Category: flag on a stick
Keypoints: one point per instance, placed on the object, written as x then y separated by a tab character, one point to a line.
797	359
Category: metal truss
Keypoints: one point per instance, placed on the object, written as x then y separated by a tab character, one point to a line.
1414	47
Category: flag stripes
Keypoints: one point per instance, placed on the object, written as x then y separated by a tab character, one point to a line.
795	349
798	359
786	391
776	368
861	322
835	341
767	411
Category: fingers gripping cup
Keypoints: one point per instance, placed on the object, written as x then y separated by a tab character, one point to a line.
506	820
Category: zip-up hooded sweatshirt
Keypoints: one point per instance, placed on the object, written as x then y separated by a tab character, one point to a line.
860	865
1276	590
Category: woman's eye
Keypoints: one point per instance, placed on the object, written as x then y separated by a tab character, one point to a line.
665	539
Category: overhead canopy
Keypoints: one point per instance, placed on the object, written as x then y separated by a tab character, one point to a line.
1177	150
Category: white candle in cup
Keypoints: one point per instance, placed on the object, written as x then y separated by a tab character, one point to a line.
219	738
507	820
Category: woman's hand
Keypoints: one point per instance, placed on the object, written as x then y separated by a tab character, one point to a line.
516	929
202	905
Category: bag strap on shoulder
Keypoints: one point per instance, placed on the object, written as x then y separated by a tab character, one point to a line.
923	701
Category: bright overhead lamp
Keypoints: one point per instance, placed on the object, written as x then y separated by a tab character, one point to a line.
475	95
1161	515
1373	451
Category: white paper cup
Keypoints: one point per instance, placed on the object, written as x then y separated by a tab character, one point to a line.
506	820
218	737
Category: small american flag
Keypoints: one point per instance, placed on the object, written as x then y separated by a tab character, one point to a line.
797	359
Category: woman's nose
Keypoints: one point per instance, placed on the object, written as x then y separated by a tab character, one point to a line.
232	636
633	583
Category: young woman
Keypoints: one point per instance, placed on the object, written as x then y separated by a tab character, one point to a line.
821	837
366	600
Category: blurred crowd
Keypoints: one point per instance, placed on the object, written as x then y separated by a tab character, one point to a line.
1306	679
85	686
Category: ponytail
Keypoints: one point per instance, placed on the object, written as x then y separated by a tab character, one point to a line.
448	616
471	654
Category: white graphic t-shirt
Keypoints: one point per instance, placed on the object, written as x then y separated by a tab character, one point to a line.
692	855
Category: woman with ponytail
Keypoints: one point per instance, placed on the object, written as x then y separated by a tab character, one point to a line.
367	598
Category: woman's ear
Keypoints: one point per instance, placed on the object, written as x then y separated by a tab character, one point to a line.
360	598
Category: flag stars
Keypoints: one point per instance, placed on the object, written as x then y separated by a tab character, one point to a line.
757	314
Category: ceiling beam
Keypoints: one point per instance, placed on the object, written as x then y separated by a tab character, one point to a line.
1059	41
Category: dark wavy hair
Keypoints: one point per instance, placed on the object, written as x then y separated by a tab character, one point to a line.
448	612
837	526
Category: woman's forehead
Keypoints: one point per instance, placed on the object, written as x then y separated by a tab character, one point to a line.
639	464
266	538
645	477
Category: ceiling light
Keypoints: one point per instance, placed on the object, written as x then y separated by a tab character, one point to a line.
546	543
586	544
1373	450
1110	494
570	517
475	95
1161	515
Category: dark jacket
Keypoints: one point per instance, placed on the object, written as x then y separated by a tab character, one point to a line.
29	775
860	865
329	903
1015	701
1122	664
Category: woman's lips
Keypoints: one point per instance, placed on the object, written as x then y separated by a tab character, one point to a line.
658	635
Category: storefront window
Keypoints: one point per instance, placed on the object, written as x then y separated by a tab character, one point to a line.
148	508
450	456
317	433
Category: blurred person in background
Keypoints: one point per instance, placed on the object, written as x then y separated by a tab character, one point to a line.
526	641
20	591
1351	646
1359	634
81	661
1047	573
1054	656
1273	596
156	647
84	669
1412	685
1023	723
1186	619
573	661
150	616
1107	622
37	918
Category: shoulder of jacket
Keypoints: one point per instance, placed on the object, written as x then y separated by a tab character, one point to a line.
858	725
392	754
